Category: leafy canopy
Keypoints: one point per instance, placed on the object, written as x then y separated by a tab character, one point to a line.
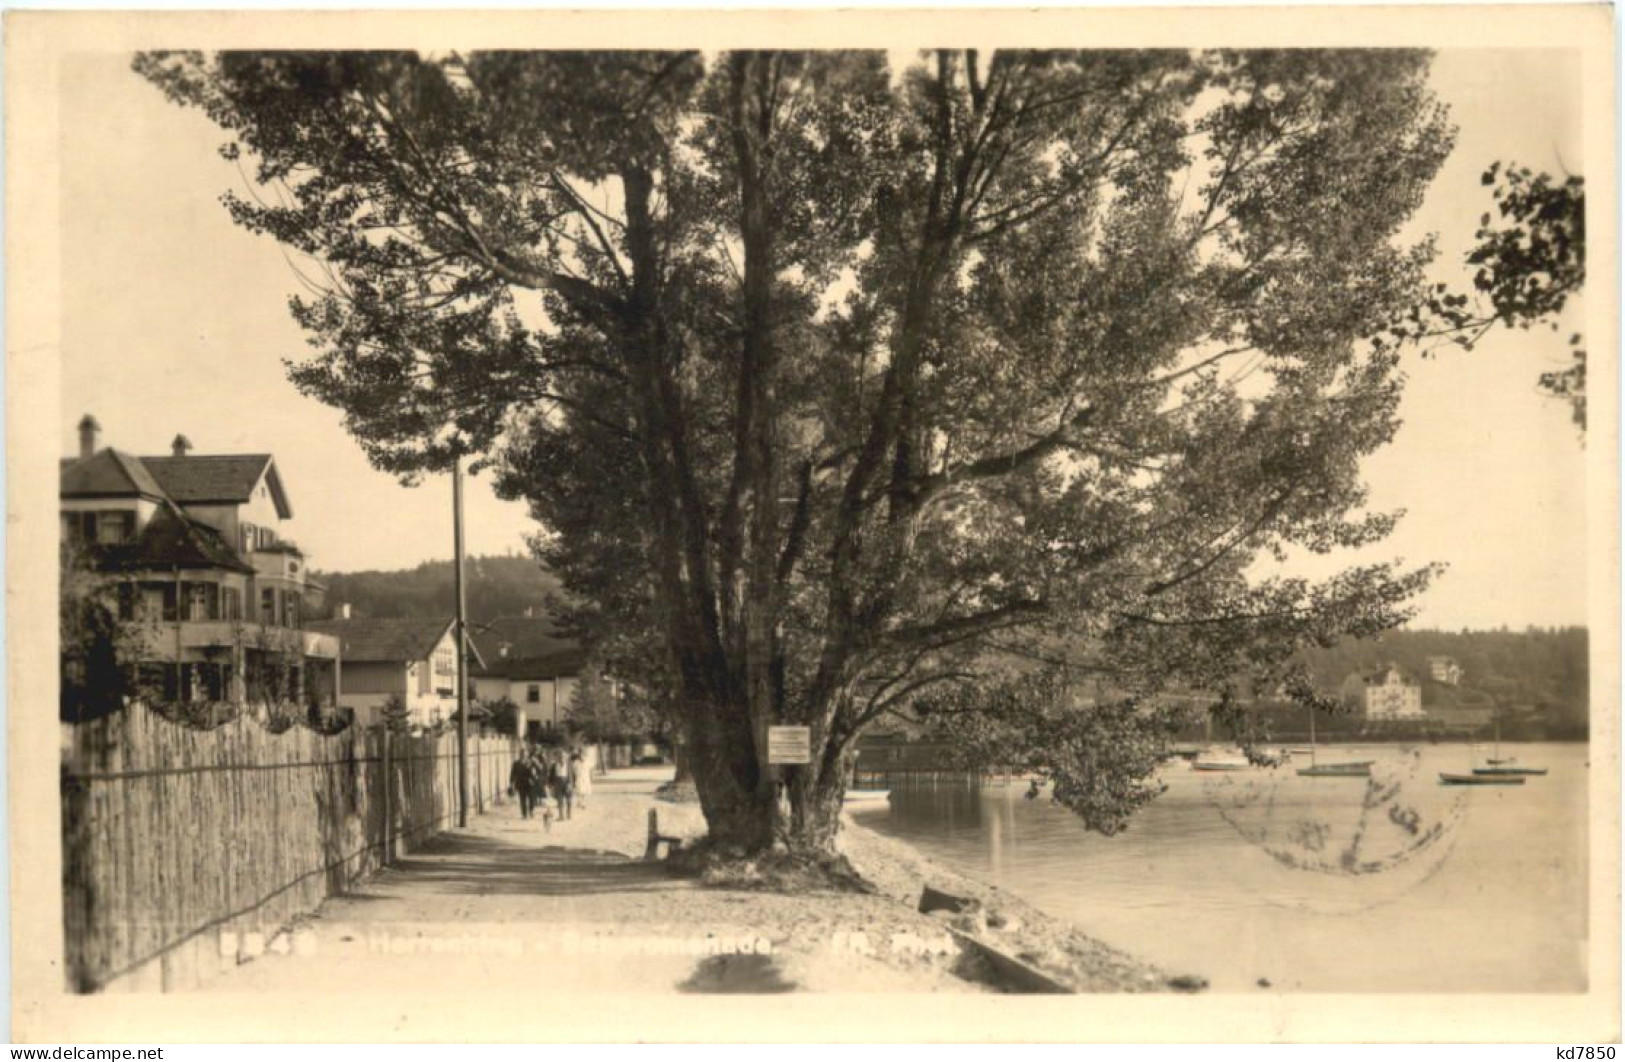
831	383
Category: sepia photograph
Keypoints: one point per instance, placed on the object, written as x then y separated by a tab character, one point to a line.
1068	525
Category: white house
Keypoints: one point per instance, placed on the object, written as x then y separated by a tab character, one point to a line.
414	659
526	660
192	545
1445	669
1392	694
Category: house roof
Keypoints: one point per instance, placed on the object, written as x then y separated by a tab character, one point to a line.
527	647
172	540
561	664
108	473
227	478
394	640
1381	675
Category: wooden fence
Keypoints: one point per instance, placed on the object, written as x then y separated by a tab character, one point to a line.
183	847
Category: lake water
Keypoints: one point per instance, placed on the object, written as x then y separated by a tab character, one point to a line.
1392	884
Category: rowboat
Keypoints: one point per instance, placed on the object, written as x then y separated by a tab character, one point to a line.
1475	778
1360	769
867	796
1219	765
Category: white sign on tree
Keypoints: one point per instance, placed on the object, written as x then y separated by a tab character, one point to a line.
789	744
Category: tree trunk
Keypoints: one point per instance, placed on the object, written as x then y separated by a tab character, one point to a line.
817	792
739	806
679	756
748	810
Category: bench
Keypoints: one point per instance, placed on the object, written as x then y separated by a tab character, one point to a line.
652	852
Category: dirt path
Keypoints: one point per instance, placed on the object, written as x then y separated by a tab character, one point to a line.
507	902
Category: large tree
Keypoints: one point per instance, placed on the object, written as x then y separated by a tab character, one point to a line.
854	389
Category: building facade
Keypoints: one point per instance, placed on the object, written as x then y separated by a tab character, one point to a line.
526	660
1444	669
1392	694
191	550
412	659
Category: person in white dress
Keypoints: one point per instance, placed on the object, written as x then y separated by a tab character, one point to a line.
580	778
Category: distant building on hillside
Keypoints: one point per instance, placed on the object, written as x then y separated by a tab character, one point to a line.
1391	694
1444	669
414	659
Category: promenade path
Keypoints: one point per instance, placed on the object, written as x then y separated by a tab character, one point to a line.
510	904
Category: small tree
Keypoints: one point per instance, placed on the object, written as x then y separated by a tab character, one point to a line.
100	649
395	715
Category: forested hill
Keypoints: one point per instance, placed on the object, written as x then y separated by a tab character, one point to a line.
496	586
1537	668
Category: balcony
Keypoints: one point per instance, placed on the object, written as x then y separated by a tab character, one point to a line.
199	635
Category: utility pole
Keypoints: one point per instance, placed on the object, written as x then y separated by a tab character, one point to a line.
462	644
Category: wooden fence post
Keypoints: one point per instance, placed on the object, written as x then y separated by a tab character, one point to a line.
389	802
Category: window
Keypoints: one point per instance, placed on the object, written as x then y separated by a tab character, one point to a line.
111	528
79	526
170	602
231	603
248	538
199	601
268	606
291	608
533	694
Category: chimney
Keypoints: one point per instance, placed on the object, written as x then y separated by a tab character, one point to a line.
180	446
88	428
344	610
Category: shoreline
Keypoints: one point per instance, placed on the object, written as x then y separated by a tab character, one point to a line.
1056	947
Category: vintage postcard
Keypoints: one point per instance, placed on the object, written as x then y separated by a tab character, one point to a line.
1057	525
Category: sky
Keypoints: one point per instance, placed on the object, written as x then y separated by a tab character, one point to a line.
176	321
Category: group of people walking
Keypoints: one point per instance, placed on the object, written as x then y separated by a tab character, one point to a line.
550	782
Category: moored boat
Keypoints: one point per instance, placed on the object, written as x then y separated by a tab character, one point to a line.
1446	778
1361	769
1505	766
1219	765
1344	769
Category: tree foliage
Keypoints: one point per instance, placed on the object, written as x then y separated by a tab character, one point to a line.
835	385
1529	261
100	653
495	586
